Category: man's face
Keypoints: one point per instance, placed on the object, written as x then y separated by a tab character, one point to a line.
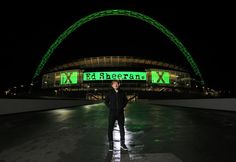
115	85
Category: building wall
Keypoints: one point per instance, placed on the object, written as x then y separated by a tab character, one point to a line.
74	79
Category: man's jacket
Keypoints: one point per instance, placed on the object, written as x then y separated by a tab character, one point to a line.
116	101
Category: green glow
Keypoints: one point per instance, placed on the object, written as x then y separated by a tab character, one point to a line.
118	12
68	78
160	77
117	75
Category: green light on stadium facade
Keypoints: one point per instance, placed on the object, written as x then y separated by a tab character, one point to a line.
68	78
157	77
114	75
160	77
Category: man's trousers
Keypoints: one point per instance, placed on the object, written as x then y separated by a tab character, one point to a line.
111	121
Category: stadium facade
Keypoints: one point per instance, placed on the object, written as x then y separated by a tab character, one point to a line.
92	77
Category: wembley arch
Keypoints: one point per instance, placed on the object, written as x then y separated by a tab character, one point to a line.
119	12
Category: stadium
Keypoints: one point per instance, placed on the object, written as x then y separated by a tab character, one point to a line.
91	78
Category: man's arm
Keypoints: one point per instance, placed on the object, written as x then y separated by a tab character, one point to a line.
107	100
125	100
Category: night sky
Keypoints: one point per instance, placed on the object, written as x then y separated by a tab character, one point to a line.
207	32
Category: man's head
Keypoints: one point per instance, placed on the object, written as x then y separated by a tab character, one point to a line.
115	84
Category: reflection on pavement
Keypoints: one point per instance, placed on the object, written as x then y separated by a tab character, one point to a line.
152	133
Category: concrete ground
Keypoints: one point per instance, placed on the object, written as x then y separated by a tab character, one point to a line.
153	133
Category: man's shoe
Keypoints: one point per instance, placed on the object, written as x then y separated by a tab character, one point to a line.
123	146
110	146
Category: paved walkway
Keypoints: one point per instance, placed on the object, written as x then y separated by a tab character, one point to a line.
153	133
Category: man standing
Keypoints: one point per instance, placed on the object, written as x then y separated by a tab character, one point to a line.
116	100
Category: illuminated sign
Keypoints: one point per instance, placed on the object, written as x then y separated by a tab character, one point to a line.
160	77
69	77
116	75
157	77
